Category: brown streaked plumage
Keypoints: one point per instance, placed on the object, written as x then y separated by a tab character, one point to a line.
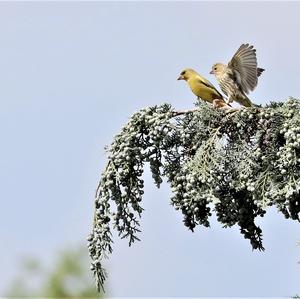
239	77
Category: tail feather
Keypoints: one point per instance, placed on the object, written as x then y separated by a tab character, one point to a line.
259	71
244	100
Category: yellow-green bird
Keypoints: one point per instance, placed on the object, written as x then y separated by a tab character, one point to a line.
201	87
239	76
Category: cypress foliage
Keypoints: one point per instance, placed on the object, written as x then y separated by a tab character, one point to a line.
234	164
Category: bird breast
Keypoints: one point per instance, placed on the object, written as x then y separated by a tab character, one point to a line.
227	84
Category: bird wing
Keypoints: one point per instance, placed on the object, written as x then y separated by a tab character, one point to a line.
244	66
208	84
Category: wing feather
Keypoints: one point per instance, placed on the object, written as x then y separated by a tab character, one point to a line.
244	62
210	86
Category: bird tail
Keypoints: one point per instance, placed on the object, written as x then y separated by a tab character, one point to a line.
259	71
244	100
256	106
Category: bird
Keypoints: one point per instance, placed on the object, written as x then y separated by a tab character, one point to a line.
202	88
239	76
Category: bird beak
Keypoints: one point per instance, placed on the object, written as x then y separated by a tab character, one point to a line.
211	72
180	77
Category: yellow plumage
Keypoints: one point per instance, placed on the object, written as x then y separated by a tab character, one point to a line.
200	86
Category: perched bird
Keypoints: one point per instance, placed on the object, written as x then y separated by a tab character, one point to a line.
240	75
201	87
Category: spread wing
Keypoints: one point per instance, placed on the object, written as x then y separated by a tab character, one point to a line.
244	66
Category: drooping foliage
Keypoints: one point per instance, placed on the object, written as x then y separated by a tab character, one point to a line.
232	163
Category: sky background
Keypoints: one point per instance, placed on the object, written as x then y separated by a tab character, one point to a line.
71	74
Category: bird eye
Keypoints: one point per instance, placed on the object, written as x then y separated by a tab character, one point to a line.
215	68
182	73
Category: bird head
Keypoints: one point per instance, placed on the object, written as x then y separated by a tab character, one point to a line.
186	74
217	69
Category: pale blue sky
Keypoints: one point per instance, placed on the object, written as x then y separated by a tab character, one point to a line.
71	75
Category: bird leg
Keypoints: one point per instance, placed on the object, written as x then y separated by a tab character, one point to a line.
221	104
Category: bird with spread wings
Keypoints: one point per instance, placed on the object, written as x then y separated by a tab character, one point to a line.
240	76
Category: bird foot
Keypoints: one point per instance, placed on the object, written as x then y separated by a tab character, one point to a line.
221	104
